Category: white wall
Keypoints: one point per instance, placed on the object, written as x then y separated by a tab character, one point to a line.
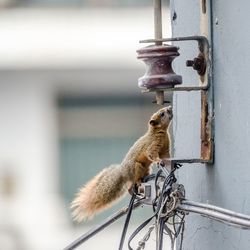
43	53
28	155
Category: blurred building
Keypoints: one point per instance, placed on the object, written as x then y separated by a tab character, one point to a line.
69	106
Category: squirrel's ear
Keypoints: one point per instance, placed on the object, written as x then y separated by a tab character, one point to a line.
153	122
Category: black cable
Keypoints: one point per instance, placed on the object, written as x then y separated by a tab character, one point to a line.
161	229
148	177
165	191
169	180
158	174
157	203
182	234
125	227
181	223
138	229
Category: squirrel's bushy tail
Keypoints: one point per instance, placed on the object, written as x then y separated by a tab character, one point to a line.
99	193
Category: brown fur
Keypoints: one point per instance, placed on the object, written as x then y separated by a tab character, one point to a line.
112	182
99	193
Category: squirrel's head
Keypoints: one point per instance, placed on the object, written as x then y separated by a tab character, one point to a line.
162	118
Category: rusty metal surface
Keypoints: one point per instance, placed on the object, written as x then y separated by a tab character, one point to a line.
206	130
171	162
198	63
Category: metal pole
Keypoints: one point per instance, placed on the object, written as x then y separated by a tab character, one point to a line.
216	213
158	35
158	21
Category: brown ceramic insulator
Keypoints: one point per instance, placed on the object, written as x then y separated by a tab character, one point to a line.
159	73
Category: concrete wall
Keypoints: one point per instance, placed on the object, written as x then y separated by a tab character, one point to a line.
227	182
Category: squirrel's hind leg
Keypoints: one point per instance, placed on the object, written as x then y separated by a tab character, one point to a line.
140	172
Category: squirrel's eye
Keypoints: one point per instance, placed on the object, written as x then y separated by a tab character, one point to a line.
162	114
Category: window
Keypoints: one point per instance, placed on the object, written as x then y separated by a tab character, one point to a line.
94	133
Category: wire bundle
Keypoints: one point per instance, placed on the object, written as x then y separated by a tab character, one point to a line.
167	220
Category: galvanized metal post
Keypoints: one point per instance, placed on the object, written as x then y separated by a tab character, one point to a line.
158	35
158	21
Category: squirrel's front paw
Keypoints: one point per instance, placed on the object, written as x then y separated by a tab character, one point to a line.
161	163
133	188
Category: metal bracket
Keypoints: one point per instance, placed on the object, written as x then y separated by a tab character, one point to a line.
160	76
204	86
204	50
171	162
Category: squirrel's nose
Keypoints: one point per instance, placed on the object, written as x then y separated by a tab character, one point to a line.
169	110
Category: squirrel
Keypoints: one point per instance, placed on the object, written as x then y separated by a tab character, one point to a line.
112	182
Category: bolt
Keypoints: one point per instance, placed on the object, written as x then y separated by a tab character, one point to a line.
189	63
198	64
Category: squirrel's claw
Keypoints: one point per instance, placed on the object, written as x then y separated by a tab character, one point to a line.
161	163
